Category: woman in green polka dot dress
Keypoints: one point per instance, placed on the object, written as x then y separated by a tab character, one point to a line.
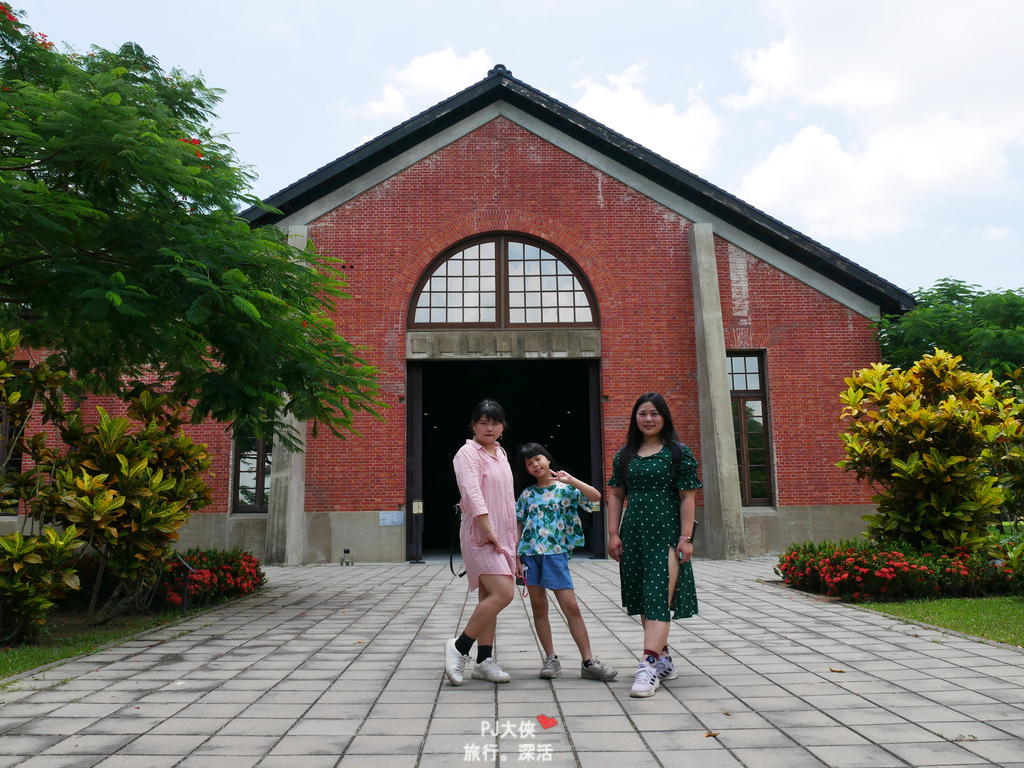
653	541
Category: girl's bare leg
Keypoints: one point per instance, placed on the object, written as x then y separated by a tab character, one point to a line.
539	604
577	627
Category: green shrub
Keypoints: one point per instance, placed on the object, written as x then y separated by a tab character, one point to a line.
926	439
33	572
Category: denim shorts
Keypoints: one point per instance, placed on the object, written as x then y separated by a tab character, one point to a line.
548	571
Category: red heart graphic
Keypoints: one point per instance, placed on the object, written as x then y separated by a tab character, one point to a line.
546	722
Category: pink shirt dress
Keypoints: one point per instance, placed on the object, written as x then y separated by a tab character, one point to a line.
485	483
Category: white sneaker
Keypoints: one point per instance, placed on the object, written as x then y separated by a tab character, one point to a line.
646	682
489	669
665	668
552	668
454	662
598	670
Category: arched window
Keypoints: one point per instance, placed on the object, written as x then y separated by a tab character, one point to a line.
503	281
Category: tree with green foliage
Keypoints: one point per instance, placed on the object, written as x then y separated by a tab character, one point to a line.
926	439
124	486
122	252
986	329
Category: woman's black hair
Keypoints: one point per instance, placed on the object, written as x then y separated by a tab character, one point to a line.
635	438
491	409
523	479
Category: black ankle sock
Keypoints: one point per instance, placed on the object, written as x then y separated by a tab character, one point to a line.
464	643
483	652
588	662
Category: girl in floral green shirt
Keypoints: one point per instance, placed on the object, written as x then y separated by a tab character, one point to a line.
549	529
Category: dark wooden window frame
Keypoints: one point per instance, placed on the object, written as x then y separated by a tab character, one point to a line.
262	479
502	320
740	398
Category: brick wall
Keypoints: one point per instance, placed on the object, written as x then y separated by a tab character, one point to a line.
812	343
635	253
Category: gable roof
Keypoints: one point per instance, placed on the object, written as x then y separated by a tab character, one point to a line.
499	85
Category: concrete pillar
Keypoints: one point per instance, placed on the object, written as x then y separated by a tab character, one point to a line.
286	518
723	513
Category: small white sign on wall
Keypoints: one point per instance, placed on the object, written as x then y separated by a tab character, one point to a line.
391	519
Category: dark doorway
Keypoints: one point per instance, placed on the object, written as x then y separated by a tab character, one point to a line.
552	402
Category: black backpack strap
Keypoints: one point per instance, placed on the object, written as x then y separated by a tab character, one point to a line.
455	538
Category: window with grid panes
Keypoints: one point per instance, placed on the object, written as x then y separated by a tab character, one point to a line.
253	460
750	426
503	281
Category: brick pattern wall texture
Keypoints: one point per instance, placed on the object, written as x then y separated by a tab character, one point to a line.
216	436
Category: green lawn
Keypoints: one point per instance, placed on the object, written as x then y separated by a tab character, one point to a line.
63	637
993	618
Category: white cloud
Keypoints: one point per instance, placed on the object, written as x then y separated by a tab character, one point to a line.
911	107
829	191
816	185
688	139
425	80
996	234
908	56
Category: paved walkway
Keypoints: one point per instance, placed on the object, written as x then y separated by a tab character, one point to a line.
339	666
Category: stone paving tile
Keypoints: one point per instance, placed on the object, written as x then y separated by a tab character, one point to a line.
97	744
314	761
219	761
303	745
1000	752
237	745
613	759
857	756
821	736
125	725
62	761
155	744
781	757
935	753
53	726
427	760
27	745
1012	727
333	663
190	725
705	758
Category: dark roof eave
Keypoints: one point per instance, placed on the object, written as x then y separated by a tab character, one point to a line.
564	118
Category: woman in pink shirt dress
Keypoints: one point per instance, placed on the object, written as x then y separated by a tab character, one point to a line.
489	538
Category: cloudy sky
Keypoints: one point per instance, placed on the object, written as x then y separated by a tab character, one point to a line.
892	131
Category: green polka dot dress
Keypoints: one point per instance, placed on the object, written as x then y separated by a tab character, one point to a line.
649	526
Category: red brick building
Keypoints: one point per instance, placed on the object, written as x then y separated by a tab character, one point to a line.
503	245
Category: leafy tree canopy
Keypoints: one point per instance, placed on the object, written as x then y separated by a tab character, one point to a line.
985	328
121	247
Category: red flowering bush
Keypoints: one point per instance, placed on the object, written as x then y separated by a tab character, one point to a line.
799	565
217	575
859	571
